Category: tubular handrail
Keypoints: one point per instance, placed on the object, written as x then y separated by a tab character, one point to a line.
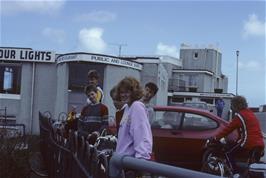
120	162
76	158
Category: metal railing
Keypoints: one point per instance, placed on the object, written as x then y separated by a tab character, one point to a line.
72	157
12	130
119	162
75	157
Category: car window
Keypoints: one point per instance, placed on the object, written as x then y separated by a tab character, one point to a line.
196	105
198	122
166	120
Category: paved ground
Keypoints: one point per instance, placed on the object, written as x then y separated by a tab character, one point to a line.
262	118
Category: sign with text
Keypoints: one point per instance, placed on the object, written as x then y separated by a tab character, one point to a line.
98	59
13	54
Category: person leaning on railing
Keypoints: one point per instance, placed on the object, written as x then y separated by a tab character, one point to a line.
134	136
94	112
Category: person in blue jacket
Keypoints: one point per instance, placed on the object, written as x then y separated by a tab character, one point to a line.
219	106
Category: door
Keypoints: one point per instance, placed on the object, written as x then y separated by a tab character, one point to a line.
195	129
167	136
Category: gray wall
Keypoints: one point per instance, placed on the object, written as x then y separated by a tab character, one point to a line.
44	92
207	82
61	89
208	59
163	79
157	74
112	75
41	98
24	110
149	73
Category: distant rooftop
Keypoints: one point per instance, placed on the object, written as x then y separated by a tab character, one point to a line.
153	58
196	46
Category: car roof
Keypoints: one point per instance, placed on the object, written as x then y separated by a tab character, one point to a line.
188	109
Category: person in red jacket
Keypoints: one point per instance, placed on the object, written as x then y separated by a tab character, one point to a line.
250	134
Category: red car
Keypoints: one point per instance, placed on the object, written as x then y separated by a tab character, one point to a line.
180	133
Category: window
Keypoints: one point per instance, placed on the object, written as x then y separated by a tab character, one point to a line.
207	100
167	120
197	122
192	80
10	78
196	55
176	99
78	72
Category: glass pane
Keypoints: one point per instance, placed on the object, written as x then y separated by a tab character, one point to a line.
198	122
78	75
10	78
166	120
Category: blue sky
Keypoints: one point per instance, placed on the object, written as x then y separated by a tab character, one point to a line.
146	28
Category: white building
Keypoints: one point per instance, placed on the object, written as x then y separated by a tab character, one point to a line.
33	81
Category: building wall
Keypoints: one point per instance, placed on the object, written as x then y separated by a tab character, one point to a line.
208	59
156	73
112	76
24	109
45	86
61	89
225	84
207	83
44	95
50	92
37	94
163	79
149	73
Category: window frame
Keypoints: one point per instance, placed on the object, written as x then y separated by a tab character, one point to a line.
15	91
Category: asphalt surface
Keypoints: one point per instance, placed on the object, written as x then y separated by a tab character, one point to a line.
262	118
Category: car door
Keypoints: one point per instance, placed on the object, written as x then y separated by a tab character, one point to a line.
195	129
166	136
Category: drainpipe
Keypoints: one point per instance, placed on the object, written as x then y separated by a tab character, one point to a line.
32	95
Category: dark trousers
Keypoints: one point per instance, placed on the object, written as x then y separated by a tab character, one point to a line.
219	112
236	150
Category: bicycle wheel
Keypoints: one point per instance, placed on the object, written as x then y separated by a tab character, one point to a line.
214	163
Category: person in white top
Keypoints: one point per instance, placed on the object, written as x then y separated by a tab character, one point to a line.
150	91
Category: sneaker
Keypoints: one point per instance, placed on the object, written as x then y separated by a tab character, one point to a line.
236	176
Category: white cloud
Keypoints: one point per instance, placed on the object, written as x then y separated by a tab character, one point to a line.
250	66
91	40
37	6
55	35
97	16
253	27
163	49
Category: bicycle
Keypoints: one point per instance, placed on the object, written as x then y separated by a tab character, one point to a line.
216	162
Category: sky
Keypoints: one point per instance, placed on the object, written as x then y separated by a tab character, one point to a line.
147	28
